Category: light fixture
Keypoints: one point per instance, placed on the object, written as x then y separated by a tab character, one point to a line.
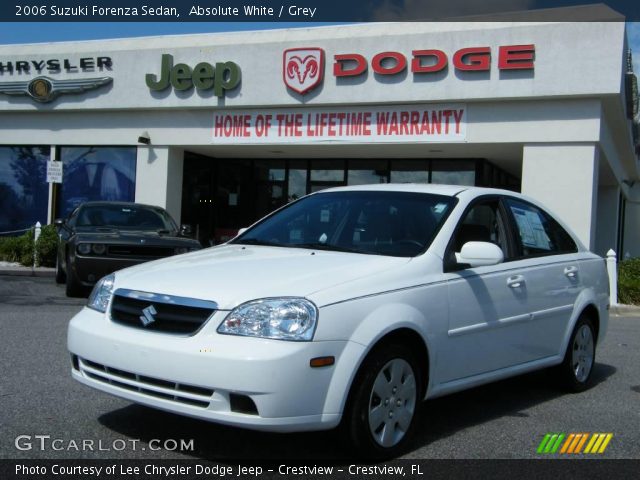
144	138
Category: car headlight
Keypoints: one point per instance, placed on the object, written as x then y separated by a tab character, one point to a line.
278	318
84	248
98	248
101	293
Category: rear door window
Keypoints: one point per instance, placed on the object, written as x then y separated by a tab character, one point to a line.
537	232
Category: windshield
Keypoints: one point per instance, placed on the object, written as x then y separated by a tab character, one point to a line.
125	217
399	224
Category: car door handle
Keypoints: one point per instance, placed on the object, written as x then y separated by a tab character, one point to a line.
516	281
571	272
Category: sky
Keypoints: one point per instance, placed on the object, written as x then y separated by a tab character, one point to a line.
16	32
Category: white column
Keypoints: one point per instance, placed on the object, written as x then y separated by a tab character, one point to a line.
159	178
612	272
565	179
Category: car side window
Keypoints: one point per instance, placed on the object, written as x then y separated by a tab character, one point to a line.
483	222
537	232
73	217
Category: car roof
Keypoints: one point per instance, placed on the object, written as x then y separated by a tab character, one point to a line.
439	189
117	204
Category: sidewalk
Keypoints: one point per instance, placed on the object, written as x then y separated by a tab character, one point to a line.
15	269
625	310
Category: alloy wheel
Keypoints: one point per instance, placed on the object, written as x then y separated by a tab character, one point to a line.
392	402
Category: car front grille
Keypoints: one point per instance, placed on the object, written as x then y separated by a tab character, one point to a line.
160	313
154	387
139	251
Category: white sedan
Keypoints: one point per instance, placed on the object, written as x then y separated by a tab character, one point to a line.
350	307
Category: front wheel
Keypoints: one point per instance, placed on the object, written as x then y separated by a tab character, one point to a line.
384	401
60	275
73	286
575	370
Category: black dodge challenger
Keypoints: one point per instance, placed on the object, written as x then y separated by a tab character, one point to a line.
98	238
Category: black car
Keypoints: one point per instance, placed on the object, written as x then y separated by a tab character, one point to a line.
98	238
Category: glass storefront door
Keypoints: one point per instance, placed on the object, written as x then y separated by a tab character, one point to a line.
220	196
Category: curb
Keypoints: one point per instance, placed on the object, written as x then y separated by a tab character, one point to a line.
625	310
28	272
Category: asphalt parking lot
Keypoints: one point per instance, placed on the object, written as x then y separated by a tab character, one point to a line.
503	420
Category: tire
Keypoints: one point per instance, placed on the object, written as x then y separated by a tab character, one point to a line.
61	277
73	288
575	371
384	402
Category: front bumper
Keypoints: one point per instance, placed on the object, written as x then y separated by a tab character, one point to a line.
90	269
200	375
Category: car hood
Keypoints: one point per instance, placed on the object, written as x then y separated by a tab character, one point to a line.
134	237
233	274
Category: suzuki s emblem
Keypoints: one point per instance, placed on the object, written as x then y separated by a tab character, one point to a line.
148	315
303	68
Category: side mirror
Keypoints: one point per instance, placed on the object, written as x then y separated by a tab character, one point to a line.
480	254
241	231
185	230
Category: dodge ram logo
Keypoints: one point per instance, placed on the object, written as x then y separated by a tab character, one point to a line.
303	68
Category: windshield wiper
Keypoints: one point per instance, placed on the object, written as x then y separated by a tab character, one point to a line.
325	246
257	241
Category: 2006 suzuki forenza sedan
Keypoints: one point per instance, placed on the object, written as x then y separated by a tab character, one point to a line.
349	306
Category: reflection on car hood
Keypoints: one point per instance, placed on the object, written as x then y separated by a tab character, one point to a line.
233	274
133	237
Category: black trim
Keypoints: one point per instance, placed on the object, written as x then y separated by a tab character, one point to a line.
449	264
622	217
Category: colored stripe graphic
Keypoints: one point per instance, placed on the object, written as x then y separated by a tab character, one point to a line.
598	443
550	443
575	442
543	443
565	447
581	443
555	447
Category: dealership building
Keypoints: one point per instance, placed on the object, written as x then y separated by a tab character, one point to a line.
221	129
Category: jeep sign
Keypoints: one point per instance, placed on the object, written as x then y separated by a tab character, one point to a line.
224	76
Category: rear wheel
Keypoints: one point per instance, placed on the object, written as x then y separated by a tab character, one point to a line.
576	369
384	401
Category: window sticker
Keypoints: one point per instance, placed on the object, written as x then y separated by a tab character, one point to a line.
440	207
532	231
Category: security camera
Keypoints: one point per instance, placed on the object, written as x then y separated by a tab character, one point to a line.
144	138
